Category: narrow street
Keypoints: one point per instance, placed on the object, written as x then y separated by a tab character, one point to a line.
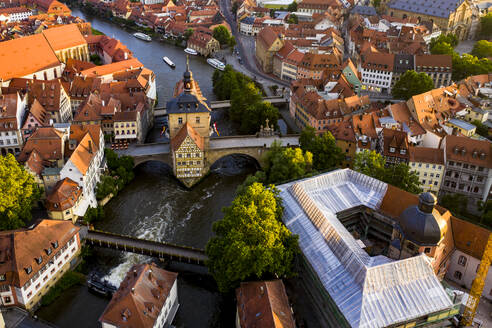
246	47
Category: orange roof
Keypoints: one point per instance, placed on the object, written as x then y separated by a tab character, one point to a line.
64	195
264	304
64	37
464	149
24	56
84	153
469	238
112	68
140	297
47	141
427	155
185	131
20	248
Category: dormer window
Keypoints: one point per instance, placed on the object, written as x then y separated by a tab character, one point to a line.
48	251
28	269
392	149
55	244
39	260
3	277
403	151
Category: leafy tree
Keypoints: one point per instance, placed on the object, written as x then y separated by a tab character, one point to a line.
326	154
235	7
450	39
370	163
482	129
94	214
442	48
286	163
467	65
232	42
188	33
482	49
293	19
106	186
486	26
376	3
292	7
399	175
251	242
221	34
486	209
18	193
456	203
412	83
258	177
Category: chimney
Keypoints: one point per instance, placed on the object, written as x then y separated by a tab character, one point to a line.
133	290
90	147
43	86
134	273
126	55
150	274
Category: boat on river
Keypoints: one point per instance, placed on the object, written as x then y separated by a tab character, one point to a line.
190	51
169	62
100	286
142	36
215	63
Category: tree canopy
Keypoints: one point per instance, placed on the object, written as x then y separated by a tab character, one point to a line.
466	64
482	49
221	34
251	242
18	193
399	175
188	33
283	164
482	129
326	154
292	7
292	19
412	83
486	26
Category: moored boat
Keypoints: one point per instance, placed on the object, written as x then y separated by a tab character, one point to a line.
215	63
190	51
168	61
142	36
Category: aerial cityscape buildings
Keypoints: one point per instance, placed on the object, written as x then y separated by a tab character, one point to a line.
218	129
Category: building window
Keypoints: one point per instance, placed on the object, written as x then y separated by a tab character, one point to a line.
457	275
427	250
180	120
462	260
198	119
3	277
7	299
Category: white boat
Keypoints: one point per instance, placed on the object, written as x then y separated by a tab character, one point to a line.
168	61
142	36
215	63
190	51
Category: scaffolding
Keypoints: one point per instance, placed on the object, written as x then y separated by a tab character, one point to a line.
369	291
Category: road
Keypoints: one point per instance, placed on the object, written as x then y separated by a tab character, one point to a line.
246	47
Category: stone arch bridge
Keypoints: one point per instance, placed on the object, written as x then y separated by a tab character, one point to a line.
218	148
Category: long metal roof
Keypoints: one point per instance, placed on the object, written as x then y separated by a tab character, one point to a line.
438	8
369	291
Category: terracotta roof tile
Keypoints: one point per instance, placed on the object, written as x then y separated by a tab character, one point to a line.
185	131
63	196
464	149
427	155
63	37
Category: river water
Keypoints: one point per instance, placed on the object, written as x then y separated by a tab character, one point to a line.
155	206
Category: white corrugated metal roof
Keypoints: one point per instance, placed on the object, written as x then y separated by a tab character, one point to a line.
369	291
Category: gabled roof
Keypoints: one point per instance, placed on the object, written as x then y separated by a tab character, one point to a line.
187	131
427	155
17	57
83	154
464	149
63	196
64	37
19	248
140	297
264	304
267	36
47	141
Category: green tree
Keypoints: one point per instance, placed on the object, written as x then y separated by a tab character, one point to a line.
188	33
412	83
293	19
283	164
467	65
251	242
94	214
369	163
376	3
326	153
399	175
456	203
232	42
450	39
18	193
221	34
235	7
442	48
482	49
292	7
482	129
106	186
486	26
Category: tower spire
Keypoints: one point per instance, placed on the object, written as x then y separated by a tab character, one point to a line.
187	76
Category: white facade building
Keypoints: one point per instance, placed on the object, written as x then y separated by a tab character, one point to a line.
9	15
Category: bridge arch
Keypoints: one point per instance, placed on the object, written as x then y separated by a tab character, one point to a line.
163	158
254	153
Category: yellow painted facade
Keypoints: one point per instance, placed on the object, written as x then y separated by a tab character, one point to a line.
126	130
265	55
463	131
80	52
430	175
188	160
198	121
